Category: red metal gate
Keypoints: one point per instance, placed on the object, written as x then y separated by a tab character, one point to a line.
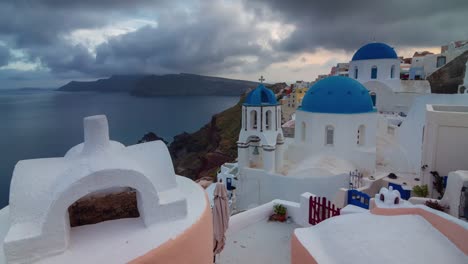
321	209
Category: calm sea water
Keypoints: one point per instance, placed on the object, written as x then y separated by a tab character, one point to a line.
39	124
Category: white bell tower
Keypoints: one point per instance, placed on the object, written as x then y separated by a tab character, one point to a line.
260	142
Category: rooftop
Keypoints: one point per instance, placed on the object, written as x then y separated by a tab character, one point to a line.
337	95
262	242
374	51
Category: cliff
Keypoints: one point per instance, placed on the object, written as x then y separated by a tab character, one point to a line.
189	85
163	85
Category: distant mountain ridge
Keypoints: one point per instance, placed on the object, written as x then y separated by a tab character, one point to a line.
164	85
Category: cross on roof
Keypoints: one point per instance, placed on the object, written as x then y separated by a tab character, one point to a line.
261	79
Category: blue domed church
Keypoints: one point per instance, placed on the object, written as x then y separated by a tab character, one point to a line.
377	67
337	118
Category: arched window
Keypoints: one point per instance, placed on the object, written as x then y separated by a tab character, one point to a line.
373	96
392	72
361	135
329	135
253	119
374	72
268	121
303	131
356	73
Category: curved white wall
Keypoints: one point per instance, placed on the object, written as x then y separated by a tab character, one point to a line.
345	142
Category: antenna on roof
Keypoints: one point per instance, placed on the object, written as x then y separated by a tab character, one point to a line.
261	79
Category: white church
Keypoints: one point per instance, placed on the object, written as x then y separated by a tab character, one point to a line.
377	67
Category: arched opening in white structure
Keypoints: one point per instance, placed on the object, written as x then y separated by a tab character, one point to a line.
268	120
255	152
303	131
356	72
253	119
374	98
374	72
329	135
392	72
104	205
361	135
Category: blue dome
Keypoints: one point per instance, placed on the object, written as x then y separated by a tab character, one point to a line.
375	51
261	96
337	95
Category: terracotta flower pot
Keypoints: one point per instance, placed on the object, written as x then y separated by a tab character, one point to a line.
281	218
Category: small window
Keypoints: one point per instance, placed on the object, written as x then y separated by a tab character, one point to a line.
441	60
356	73
392	72
374	72
329	135
361	135
303	131
268	121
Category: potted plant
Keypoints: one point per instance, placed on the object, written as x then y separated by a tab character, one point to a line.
421	190
279	213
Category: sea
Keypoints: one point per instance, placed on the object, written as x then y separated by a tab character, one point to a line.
46	123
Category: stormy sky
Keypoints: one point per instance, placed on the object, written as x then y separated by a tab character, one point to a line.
46	43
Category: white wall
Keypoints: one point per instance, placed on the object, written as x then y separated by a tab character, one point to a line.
445	140
345	137
258	187
389	101
298	212
383	71
410	134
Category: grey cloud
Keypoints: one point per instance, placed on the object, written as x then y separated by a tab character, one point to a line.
344	24
204	37
5	55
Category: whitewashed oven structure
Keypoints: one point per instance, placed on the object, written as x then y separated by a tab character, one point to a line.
42	190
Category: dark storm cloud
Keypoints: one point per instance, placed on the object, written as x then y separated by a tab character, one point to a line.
211	42
344	24
4	55
207	37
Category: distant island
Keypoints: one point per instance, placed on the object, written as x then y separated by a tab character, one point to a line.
163	85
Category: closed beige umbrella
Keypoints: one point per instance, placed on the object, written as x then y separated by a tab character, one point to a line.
220	217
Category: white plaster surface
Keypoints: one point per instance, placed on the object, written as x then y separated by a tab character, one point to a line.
409	134
383	71
120	241
323	165
367	238
262	242
445	141
43	189
256	186
311	140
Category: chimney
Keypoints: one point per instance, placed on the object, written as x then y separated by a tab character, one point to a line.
96	134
